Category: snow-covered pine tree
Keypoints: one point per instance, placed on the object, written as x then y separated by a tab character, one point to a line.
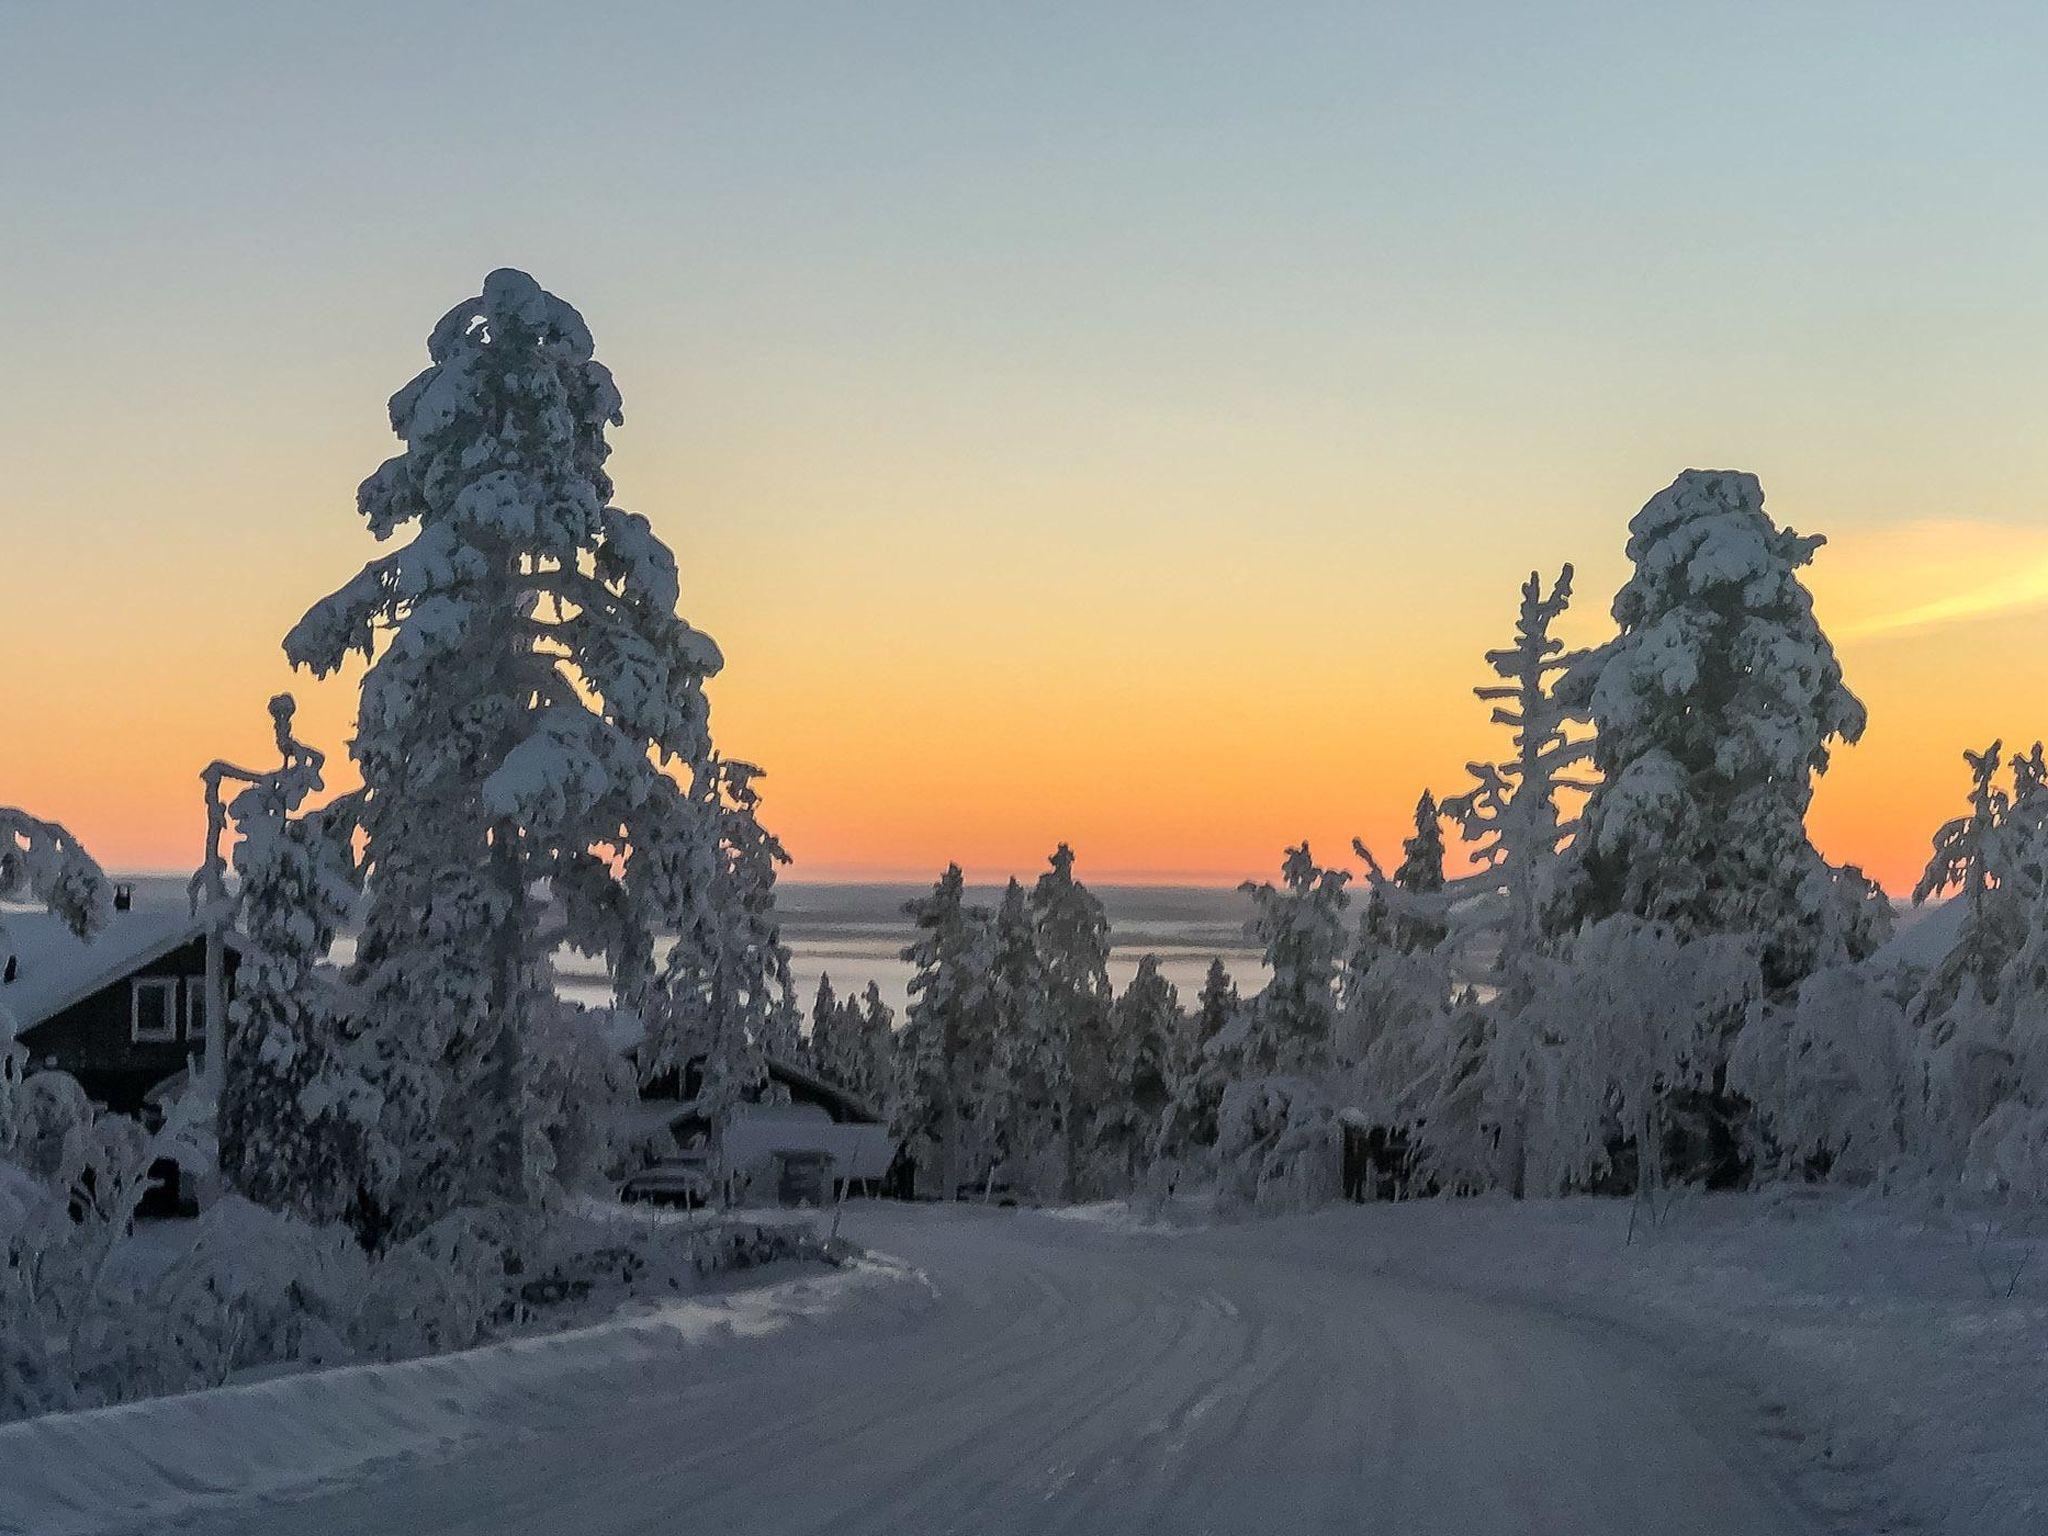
1981	1065
1073	952
1129	1126
529	687
1300	922
1835	1077
1394	1028
1514	823
1715	707
1512	816
723	1004
876	1054
1979	857
1204	1064
1406	912
829	1048
2007	1150
946	1049
300	1112
1022	1101
1276	1132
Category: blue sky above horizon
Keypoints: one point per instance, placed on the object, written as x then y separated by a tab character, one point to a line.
1032	393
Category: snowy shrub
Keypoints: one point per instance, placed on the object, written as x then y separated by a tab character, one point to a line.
72	1330
440	1288
1279	1146
1834	1078
1640	1021
254	1287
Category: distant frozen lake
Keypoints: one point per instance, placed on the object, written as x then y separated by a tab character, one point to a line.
856	932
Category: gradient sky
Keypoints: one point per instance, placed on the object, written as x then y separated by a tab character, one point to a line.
1122	424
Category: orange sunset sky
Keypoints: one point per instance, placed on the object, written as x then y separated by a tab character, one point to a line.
1071	426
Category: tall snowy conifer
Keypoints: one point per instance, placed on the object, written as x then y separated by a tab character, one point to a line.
1073	952
876	1055
1130	1126
529	687
300	1112
946	1046
724	1000
831	1040
1715	706
1027	1068
1301	924
1513	819
1204	1068
1511	815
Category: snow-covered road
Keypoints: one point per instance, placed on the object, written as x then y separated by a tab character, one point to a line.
1074	1378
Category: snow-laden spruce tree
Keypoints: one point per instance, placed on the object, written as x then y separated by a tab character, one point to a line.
1072	934
1276	1136
300	1115
1129	1125
1021	1102
1514	823
876	1056
1987	860
1204	1066
1512	816
1975	1032
1715	708
831	1043
529	687
1395	984
946	1047
2007	1148
1405	912
724	1001
1300	923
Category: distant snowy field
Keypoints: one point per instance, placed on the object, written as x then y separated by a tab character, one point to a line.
856	933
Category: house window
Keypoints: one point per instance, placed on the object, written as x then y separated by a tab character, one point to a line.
153	1009
195	1008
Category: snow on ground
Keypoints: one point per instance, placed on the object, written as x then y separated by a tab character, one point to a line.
1088	1376
1749	1366
1896	1352
138	1465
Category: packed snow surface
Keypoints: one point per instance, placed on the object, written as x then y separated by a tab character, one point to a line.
1452	1369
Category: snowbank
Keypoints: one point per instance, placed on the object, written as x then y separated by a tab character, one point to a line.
139	1464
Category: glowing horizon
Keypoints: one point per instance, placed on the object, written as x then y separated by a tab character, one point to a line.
1072	427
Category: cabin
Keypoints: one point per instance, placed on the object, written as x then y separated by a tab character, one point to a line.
804	1141
121	1011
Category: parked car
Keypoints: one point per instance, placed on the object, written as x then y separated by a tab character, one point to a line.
683	1181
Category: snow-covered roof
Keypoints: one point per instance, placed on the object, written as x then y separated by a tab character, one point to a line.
54	968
